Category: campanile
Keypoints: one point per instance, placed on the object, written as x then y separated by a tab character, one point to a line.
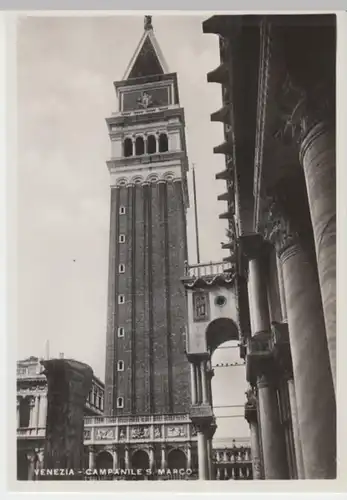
147	371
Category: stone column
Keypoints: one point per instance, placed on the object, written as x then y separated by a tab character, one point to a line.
193	383
259	309
91	462
251	417
43	410
126	457
36	412
189	456
316	411
68	384
296	430
32	401
151	458
115	457
163	457
275	464
204	382
281	290
318	160
260	366
209	458
202	454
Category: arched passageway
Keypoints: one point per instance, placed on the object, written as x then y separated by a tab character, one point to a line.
140	460
104	460
219	331
177	459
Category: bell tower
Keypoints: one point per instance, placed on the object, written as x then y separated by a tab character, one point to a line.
147	371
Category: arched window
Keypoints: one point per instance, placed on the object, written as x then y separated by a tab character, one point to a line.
120	403
121	268
151	145
163	143
120	366
24	412
122	238
121	210
139	146
121	299
128	147
121	331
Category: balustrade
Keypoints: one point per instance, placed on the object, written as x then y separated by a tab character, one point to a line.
206	269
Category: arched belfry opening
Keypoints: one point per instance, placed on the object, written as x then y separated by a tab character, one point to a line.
128	147
139	146
151	144
163	143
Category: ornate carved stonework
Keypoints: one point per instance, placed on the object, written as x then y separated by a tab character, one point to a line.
201	306
140	432
177	431
122	434
104	434
288	220
301	110
157	432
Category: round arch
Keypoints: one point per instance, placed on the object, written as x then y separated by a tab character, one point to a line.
177	459
104	460
140	460
219	331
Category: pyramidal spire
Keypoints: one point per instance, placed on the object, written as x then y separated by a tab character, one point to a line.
148	59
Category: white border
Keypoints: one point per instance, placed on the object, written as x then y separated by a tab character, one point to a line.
7	76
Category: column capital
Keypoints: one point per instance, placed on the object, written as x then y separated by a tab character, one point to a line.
259	360
288	219
253	245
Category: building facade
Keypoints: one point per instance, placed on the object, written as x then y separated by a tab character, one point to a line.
277	75
32	413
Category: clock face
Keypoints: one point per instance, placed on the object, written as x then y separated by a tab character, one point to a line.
144	99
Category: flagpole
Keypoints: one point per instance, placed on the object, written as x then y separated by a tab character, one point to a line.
196	218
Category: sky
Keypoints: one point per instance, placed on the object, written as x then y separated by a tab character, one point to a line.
66	67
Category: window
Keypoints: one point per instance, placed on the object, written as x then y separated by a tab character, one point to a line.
120	403
163	143
120	366
120	331
121	268
122	210
121	299
128	147
151	145
122	238
139	146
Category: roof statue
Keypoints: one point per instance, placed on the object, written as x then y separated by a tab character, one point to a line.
148	23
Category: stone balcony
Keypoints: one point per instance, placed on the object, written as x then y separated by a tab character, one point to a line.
207	273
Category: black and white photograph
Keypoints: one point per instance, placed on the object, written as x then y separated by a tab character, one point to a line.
176	251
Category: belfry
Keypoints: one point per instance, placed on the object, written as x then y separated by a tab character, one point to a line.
147	373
